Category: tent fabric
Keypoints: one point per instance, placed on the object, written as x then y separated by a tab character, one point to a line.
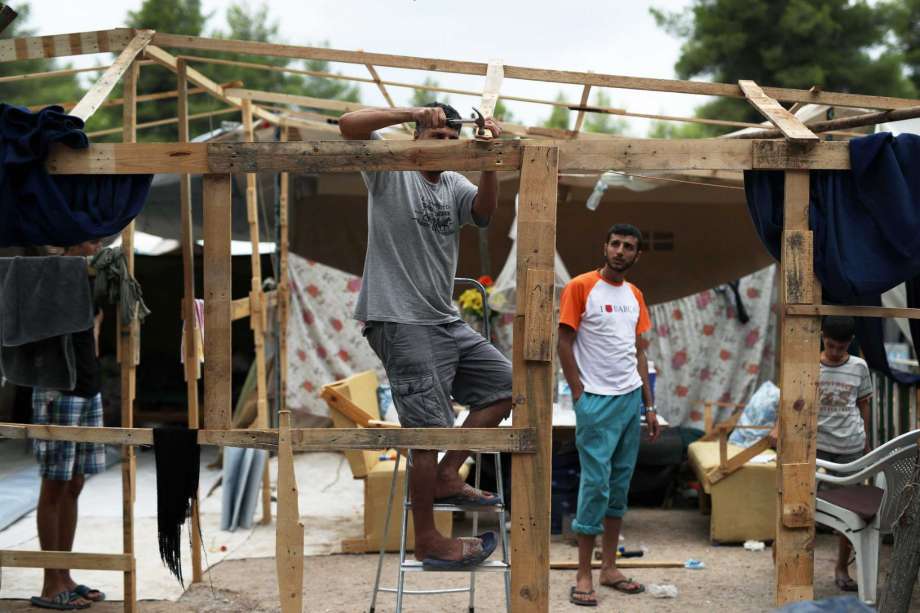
324	342
37	208
866	224
702	352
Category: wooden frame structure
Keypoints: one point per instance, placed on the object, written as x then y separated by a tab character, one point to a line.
539	162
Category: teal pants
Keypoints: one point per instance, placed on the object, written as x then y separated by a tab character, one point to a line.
607	436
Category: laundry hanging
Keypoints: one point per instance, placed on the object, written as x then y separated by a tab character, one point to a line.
866	224
37	208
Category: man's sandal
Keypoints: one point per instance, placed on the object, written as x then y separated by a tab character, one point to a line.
637	588
588	599
89	593
62	601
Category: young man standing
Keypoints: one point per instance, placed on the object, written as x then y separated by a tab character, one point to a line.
844	389
429	354
601	316
63	465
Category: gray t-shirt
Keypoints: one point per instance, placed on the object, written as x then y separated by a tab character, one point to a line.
413	241
840	425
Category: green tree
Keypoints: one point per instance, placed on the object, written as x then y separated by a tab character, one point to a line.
37	92
833	44
559	117
601	122
421	97
904	19
670	129
502	112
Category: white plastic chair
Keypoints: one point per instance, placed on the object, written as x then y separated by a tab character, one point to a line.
862	513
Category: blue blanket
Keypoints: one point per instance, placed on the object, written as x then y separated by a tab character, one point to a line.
866	224
41	209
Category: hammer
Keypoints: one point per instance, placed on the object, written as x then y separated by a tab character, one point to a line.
475	118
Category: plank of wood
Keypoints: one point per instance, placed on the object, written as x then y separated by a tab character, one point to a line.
307	101
337	156
737	461
284	292
622	564
529	74
791	126
532	385
66	559
217	268
843	123
289	531
495	74
799	271
852	311
799	347
103	87
338	401
540	284
129	336
515	440
59	45
240	308
163	122
163	95
170	62
580	118
798	495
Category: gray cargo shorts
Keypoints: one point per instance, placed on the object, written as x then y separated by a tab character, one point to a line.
427	365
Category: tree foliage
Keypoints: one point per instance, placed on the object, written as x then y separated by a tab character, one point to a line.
601	122
421	97
834	44
559	117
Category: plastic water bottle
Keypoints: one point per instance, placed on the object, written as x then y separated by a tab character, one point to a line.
565	395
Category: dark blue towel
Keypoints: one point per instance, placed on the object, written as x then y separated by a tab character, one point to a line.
41	209
866	224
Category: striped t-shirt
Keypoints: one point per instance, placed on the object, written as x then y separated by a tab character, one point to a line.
607	318
840	425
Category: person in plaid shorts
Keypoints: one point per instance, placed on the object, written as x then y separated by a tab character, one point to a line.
63	465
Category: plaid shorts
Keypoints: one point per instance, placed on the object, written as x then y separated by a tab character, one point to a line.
60	460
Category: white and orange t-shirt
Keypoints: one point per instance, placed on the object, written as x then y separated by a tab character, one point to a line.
607	318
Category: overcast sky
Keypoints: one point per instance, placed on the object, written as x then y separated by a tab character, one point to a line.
620	39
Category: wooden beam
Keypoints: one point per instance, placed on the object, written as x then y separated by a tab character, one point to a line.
289	531
495	74
103	87
144	98
66	560
164	122
170	62
129	335
351	156
580	118
284	288
59	45
797	415
738	460
852	311
787	123
7	15
307	101
512	440
50	74
532	384
528	74
856	121
217	267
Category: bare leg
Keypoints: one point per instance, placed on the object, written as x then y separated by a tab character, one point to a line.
67	521
841	570
428	541
583	579
51	502
449	481
610	574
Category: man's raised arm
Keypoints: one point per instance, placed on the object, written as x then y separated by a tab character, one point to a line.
358	125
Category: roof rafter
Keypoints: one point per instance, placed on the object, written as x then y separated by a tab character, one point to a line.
787	123
100	90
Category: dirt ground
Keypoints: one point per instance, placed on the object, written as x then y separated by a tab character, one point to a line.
734	579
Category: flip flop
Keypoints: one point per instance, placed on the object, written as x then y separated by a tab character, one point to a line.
846	585
582	603
477	500
618	586
480	548
85	591
62	601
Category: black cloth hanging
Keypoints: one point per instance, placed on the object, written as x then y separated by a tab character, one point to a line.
177	461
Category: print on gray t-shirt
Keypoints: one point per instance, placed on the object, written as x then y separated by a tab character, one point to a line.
840	425
412	246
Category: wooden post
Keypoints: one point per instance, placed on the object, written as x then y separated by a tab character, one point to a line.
217	263
284	288
128	342
257	307
533	379
799	346
288	530
192	371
